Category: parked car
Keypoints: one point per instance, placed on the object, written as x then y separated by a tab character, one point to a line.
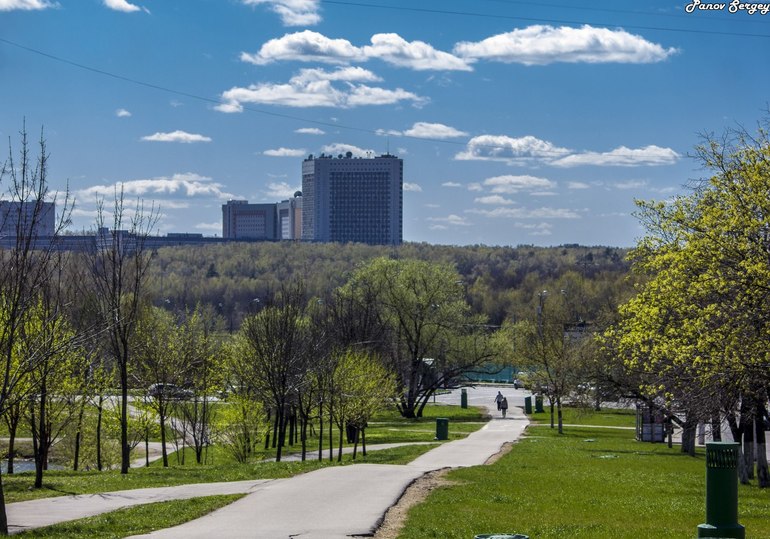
169	392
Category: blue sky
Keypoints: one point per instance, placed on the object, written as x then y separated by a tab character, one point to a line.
518	122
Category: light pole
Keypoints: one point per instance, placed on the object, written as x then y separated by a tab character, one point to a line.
541	300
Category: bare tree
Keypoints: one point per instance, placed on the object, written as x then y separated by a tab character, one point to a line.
119	263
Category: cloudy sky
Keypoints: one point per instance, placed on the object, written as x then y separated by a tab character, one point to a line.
518	121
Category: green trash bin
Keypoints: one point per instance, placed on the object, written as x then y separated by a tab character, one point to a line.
502	536
527	405
538	404
442	428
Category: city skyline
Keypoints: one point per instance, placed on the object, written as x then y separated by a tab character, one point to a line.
518	122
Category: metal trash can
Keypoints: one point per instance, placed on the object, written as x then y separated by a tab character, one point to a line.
538	404
502	536
464	398
722	492
442	428
527	405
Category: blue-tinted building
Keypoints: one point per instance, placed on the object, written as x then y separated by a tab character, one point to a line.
347	199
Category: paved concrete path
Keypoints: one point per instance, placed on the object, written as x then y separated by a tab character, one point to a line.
330	503
46	511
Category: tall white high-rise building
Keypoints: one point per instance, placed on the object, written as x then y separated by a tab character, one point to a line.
347	199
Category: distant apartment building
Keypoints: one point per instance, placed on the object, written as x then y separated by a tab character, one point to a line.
35	219
346	199
241	220
290	218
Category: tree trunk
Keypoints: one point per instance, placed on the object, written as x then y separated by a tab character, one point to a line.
41	453
320	431
688	435
162	419
763	474
280	420
748	445
303	437
3	515
559	413
339	450
716	429
331	435
125	453
737	434
13	425
99	411
363	441
355	444
79	434
551	403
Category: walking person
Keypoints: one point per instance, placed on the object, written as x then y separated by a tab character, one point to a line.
504	406
498	399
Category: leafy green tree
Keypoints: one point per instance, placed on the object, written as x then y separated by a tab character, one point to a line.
362	386
430	335
699	327
159	364
27	262
272	356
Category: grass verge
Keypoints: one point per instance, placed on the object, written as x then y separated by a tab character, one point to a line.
587	483
135	520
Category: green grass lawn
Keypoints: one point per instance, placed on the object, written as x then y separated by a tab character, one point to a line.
136	520
588	483
610	417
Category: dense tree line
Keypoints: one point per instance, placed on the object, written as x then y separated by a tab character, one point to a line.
234	278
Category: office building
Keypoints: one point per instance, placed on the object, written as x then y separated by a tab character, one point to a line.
241	220
346	199
290	218
27	219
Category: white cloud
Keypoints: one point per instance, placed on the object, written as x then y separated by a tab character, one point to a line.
310	46
211	227
513	184
509	149
314	88
452	219
414	187
292	12
622	157
122	113
339	148
475	187
541	44
26	5
525	213
310	131
177	136
631	184
185	184
577	185
536	229
281	190
496	200
285	152
451	184
124	6
434	131
306	46
528	149
417	55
